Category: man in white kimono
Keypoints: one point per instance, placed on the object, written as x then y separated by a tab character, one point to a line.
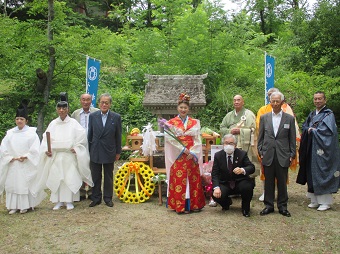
65	166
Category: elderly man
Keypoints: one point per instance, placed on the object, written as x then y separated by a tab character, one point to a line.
241	123
319	155
82	116
230	175
105	139
277	148
266	109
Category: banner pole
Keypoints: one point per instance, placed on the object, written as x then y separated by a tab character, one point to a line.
265	78
87	85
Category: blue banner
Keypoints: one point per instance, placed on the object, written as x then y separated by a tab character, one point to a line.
269	75
92	78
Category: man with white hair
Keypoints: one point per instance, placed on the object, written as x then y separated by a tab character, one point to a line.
277	148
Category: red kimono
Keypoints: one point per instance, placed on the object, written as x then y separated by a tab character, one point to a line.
185	191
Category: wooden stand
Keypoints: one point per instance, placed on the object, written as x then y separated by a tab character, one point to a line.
136	142
209	141
159	171
142	159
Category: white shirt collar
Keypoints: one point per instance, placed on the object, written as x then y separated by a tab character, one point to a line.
278	114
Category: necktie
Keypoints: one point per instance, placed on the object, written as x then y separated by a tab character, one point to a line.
230	168
230	164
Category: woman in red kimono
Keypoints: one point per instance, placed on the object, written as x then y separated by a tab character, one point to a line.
183	159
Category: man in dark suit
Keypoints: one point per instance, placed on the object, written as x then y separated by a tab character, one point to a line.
230	175
105	137
277	148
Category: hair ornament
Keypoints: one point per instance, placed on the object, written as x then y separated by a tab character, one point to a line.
184	97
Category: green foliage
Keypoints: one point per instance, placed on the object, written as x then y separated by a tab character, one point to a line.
7	116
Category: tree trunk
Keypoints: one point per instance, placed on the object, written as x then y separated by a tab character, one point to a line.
263	22
5	8
49	75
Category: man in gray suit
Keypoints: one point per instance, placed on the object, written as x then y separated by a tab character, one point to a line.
105	139
82	116
277	148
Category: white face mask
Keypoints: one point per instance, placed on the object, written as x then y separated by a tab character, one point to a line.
229	149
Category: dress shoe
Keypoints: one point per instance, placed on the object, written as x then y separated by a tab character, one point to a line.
285	213
58	206
82	198
94	203
323	207
313	205
245	213
266	211
23	211
109	203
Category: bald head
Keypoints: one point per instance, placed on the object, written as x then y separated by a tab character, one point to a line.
238	102
85	100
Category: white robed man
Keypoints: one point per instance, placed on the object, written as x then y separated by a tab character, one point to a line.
82	115
18	165
65	166
241	123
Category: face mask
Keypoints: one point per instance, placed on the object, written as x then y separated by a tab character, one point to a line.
229	149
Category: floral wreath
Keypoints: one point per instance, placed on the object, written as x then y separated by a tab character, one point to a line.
144	188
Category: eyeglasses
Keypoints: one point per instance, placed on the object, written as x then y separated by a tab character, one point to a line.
104	103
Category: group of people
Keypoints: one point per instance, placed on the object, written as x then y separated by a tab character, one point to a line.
77	151
272	138
68	161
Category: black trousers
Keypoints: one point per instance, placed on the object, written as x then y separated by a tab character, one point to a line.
96	171
272	172
244	187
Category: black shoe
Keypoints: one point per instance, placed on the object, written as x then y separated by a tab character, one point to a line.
230	202
285	213
94	203
82	198
266	211
245	213
109	203
196	210
183	212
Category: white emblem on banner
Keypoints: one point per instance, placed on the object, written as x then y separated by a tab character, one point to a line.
92	73
269	70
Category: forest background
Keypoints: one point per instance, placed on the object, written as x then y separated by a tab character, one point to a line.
43	45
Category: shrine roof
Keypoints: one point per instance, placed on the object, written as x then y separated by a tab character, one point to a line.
162	91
